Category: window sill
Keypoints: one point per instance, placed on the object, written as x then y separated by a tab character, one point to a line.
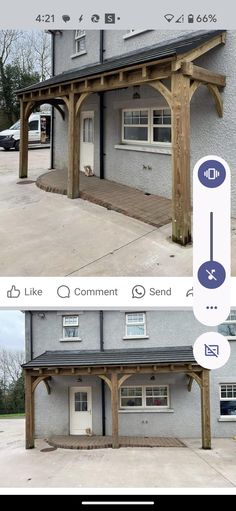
69	313
73	339
227	418
83	52
167	410
134	34
144	149
135	337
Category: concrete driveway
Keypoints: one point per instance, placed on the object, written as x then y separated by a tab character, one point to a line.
44	234
107	468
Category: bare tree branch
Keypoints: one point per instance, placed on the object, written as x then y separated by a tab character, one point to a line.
10	365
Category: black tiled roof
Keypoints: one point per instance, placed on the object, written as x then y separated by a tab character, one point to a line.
170	48
162	355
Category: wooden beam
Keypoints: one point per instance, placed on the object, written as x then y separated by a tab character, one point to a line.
205	410
24	134
101	371
198	52
114	410
181	188
45	381
203	75
73	149
106	379
29	411
122	379
115	79
190	383
194	86
217	97
164	91
193	375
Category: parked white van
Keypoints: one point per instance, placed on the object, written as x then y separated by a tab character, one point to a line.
39	132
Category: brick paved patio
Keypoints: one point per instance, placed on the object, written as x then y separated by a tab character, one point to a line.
151	209
102	442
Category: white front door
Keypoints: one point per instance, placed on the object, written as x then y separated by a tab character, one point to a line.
87	140
80	410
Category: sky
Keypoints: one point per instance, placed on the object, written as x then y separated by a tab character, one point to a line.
12	330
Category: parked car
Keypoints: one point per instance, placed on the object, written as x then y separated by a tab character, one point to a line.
39	132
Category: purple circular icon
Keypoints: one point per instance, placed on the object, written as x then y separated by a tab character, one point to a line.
211	173
211	274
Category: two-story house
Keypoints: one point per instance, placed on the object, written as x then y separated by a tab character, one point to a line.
125	373
139	108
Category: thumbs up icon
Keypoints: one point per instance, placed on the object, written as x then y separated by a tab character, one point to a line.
13	292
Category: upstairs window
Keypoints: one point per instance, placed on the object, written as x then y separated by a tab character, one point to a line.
70	328
133	33
80	42
135	324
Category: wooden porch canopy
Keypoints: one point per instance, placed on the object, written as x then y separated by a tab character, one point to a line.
115	367
168	68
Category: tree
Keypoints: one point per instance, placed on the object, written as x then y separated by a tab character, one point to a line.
16	396
25	58
2	398
11	381
12	79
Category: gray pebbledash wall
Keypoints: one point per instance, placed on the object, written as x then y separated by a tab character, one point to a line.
209	133
164	328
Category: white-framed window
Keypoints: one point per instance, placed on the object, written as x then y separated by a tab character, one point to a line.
144	396
146	126
70	328
133	33
227	399
135	324
80	42
228	328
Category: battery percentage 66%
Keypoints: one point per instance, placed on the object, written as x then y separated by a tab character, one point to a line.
206	18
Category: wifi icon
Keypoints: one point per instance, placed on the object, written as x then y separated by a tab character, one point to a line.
169	17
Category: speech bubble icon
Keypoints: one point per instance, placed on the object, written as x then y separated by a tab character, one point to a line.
66	18
138	291
63	291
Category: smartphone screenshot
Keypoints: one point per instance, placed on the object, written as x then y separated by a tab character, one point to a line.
117	256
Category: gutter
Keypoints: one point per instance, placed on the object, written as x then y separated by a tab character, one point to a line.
101	322
53	35
31	335
101	113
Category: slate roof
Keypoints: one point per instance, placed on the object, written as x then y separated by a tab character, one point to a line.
170	48
160	355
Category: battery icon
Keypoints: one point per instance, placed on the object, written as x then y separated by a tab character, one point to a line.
190	18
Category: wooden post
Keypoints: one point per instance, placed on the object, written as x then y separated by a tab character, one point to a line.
29	411
73	149
205	410
181	187
24	134
114	409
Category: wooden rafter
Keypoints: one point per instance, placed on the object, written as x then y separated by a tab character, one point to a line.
125	370
198	52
